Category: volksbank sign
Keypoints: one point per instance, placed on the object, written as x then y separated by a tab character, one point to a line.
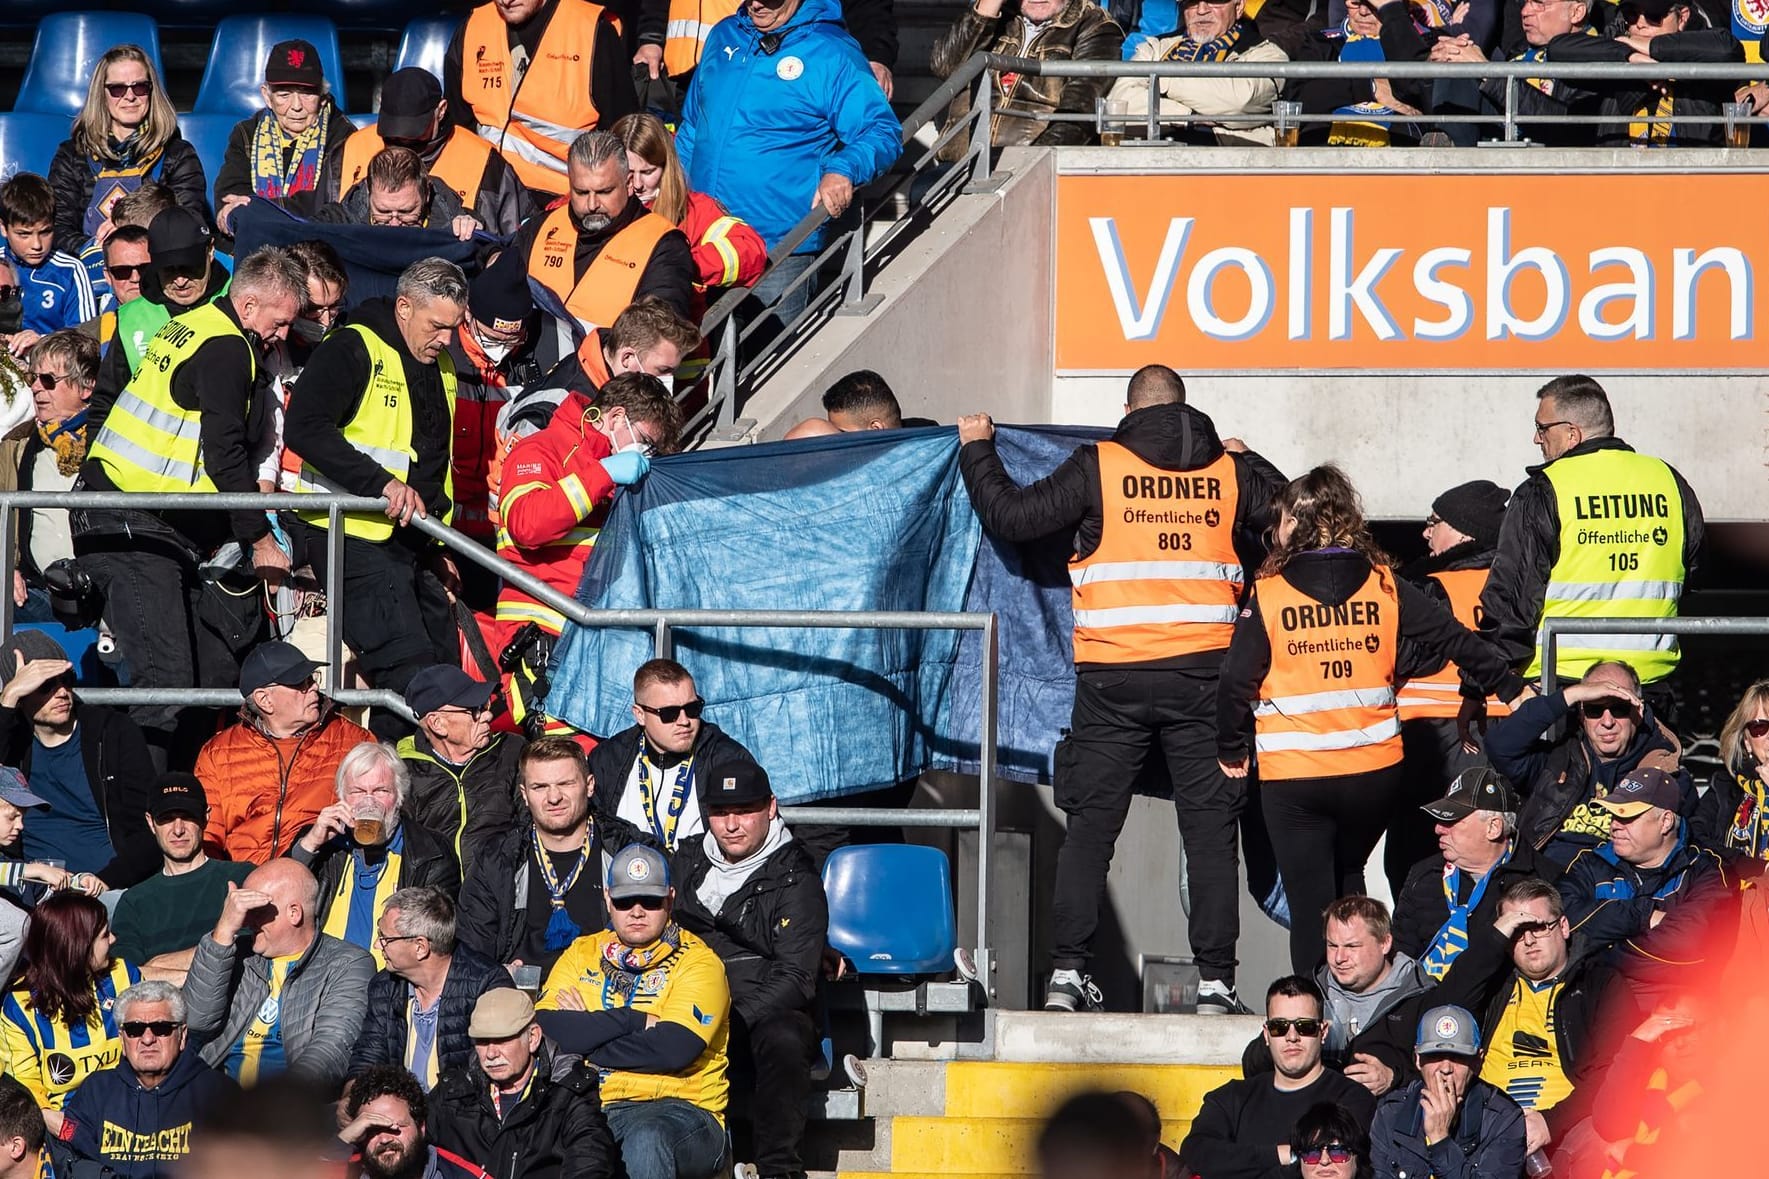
1389	271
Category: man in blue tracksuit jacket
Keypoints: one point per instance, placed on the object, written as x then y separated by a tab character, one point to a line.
784	113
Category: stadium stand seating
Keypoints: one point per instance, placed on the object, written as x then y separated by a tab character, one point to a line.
208	134
425	42
28	141
890	908
241	46
189	14
68	46
373	15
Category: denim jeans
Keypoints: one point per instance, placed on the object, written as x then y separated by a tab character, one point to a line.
666	1138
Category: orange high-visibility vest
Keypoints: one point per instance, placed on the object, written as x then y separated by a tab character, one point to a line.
532	119
1327	705
608	284
461	165
689	23
1164	580
1439	695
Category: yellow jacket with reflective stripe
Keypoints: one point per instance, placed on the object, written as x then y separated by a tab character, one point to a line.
382	429
149	442
1621	556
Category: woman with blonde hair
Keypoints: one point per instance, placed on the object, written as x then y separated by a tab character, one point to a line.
1733	815
126	134
1327	632
727	252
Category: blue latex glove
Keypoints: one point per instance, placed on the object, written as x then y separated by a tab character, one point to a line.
627	467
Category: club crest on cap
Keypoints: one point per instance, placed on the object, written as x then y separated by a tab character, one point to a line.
1447	1027
638	871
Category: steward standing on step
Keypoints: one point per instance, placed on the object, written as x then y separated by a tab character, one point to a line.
372	414
1327	632
1597	531
1156	512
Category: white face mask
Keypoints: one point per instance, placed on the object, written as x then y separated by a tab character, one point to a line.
635	443
495	352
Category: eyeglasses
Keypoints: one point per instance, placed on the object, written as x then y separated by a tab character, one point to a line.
1594	709
50	380
1306	1028
135	1029
1757	728
384	941
1543	427
1529	929
1433	520
128	89
1333	1152
669	712
628	904
126	273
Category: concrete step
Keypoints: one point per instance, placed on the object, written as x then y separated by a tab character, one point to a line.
1115	1038
988	1090
977	1146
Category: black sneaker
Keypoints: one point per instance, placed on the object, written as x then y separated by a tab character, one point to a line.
1070	990
1219	998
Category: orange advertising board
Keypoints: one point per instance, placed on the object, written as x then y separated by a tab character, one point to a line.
1403	272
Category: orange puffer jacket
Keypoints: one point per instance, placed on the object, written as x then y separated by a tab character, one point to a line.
264	791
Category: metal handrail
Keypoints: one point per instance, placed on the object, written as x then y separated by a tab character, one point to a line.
661	624
1553	628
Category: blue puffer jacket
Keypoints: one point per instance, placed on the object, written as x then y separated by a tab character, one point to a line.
760	129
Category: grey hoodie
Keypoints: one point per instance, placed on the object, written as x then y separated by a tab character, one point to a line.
1351	1014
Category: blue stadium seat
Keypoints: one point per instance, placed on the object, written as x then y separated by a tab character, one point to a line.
890	908
28	141
67	49
242	46
364	122
81	646
208	134
425	43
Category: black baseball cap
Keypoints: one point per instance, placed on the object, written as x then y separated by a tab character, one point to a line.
275	662
737	783
443	686
294	63
177	793
1479	789
409	99
178	238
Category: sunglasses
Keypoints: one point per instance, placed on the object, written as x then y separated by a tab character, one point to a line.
8	292
1333	1152
135	1029
48	380
1620	709
1306	1028
669	712
1531	928
129	89
1757	728
628	904
126	273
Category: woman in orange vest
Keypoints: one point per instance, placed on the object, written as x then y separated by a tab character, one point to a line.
1326	633
1441	732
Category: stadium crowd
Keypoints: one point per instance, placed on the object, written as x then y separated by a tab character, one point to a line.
491	944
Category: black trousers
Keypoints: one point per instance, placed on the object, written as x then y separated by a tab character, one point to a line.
395	612
775	1053
1120	717
1433	758
1323	830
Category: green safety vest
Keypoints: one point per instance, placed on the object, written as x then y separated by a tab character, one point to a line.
149	442
139	319
382	429
1621	556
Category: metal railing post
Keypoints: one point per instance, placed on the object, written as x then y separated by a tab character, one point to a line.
7	531
985	957
1550	654
334	597
725	373
660	640
1511	109
983	130
854	266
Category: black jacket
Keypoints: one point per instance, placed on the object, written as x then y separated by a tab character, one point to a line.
1543	751
612	761
1172	437
489	915
1719	805
234	178
669	275
113	1097
769	933
329	392
426	862
1421	910
1428	634
72	178
1620	100
1239	1125
470	975
119	771
471	809
558	1131
1400	42
113	367
1529	544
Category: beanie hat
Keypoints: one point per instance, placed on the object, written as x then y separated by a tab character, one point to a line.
1476	510
32	645
499	298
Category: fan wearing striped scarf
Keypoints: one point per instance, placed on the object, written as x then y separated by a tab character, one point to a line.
1214	30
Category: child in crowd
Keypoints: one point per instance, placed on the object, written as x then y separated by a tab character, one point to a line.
56	288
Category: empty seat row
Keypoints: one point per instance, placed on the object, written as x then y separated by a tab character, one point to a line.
378	15
69	44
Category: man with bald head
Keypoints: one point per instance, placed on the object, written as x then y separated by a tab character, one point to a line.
268	992
811	428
